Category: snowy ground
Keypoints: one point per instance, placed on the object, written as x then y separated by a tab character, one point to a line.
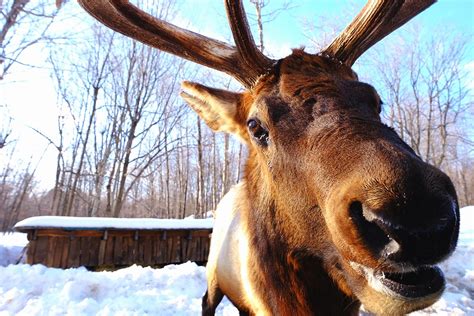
173	290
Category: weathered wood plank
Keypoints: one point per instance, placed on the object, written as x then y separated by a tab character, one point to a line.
161	249
73	248
109	251
57	251
123	249
41	250
74	252
94	252
205	249
140	260
65	253
170	247
50	251
133	256
148	249
175	249
118	249
30	251
191	254
102	247
84	248
130	250
68	233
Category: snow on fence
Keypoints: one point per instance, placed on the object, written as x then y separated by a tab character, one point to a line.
66	242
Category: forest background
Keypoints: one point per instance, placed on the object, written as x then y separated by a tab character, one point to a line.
91	123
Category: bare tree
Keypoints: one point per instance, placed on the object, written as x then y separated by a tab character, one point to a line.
16	191
263	16
149	88
81	103
119	148
5	125
23	23
428	100
427	96
120	97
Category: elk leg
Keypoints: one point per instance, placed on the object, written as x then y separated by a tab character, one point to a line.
210	300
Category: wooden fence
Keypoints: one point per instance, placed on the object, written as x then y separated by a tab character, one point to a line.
96	246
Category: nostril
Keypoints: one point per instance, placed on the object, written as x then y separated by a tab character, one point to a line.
369	229
418	233
355	209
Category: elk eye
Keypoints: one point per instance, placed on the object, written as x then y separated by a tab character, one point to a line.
379	108
258	132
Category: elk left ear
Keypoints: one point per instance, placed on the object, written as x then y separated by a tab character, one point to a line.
218	108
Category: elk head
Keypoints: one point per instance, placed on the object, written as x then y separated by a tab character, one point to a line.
334	181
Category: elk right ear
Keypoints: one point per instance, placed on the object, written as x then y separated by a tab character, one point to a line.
220	109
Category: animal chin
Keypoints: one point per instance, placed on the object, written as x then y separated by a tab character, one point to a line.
410	290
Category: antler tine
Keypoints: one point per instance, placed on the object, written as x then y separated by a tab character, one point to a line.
409	10
377	19
129	20
254	60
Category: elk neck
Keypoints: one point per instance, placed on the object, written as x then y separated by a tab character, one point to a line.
291	279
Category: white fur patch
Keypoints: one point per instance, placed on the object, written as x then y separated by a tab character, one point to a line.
230	249
374	281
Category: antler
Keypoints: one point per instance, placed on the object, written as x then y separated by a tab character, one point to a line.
245	63
377	19
249	52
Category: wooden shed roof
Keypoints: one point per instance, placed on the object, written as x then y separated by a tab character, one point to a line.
101	223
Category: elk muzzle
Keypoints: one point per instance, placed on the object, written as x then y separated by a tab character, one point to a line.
391	225
415	223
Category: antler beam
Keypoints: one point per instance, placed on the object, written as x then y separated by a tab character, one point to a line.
249	53
129	20
377	19
245	62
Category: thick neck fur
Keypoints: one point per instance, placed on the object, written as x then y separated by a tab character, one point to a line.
291	281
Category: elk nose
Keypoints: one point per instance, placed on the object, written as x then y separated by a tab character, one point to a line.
424	234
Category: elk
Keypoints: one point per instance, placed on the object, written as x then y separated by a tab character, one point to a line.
335	210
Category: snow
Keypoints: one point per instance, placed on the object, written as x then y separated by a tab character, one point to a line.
112	223
173	290
11	248
37	290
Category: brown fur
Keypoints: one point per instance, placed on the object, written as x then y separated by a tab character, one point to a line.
327	153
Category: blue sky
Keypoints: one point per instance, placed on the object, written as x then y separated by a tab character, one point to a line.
456	12
37	108
209	17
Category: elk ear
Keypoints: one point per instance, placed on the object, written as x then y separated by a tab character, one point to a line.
220	109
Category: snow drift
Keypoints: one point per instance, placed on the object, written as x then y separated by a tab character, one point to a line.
172	290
